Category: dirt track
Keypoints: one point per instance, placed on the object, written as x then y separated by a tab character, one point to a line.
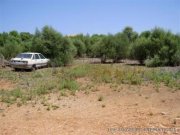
124	107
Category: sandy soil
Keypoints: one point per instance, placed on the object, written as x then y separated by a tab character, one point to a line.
122	108
6	84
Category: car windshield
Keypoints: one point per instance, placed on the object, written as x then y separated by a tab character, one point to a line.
24	55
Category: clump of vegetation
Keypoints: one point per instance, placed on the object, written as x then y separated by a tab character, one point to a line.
68	84
152	48
55	107
64	81
157	48
80	71
37	75
63	93
10	96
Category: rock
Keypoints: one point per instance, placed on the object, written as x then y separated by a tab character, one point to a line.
163	113
177	121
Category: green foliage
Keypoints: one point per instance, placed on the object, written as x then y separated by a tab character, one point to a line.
113	47
68	84
156	47
176	57
93	48
54	46
130	34
140	50
121	47
106	49
10	96
145	34
11	48
81	49
65	53
38	84
153	62
79	71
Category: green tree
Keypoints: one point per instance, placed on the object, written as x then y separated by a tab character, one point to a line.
26	36
106	48
113	47
145	34
67	51
169	49
121	47
80	46
140	51
11	48
131	35
54	46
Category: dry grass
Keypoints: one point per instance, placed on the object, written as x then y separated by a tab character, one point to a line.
31	85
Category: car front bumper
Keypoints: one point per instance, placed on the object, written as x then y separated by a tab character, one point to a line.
20	65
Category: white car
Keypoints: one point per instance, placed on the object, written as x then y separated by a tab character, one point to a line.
29	60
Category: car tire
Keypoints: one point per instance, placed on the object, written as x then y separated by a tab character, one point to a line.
33	68
16	69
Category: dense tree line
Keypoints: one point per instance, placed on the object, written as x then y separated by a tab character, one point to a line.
152	48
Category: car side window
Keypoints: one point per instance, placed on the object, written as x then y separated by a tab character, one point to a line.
41	56
37	56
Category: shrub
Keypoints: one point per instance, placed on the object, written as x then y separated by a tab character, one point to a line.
153	62
176	57
113	47
54	46
79	71
68	84
139	50
80	46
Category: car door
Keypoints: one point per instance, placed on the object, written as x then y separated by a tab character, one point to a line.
37	60
43	60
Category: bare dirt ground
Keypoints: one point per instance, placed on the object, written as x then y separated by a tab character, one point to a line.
121	108
6	84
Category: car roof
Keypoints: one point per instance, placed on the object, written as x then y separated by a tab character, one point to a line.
31	53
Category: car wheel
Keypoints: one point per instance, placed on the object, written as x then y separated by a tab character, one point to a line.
16	69
33	68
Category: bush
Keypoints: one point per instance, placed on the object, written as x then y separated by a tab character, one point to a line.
153	62
139	50
113	47
160	47
68	84
54	46
80	46
156	45
11	49
176	58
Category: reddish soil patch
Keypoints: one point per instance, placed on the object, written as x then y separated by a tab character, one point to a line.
6	84
122	107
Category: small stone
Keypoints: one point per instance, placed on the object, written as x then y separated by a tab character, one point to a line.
163	113
177	121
